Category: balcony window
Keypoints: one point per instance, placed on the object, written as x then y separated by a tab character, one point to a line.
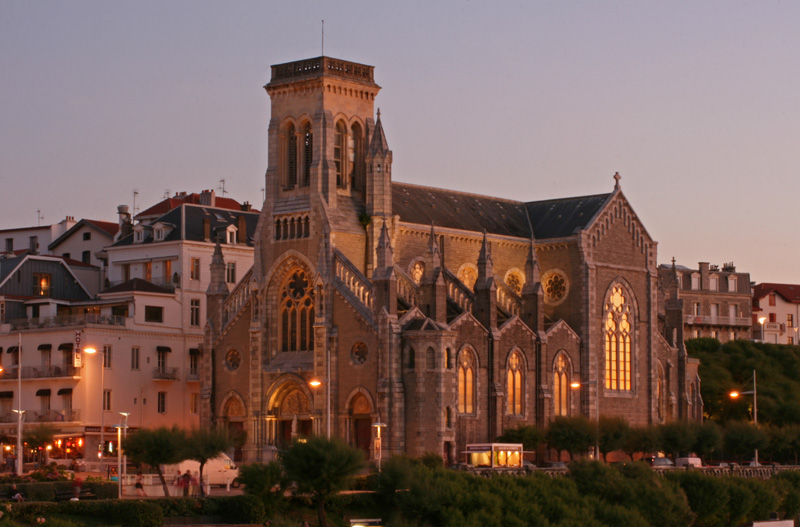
162	402
162	360
194	361
772	317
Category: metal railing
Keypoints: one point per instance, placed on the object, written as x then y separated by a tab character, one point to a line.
165	374
66	321
40	372
717	320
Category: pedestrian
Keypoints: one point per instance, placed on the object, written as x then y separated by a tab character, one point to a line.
16	495
186	482
140	485
77	483
195	483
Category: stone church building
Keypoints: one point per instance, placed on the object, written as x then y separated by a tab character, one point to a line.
447	316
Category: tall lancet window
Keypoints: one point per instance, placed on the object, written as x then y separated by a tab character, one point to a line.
514	383
561	386
355	155
617	331
338	153
466	383
291	157
308	155
297	313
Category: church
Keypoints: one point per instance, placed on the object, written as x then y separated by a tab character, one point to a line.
442	316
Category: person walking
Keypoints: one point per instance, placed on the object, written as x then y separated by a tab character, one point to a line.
140	485
186	482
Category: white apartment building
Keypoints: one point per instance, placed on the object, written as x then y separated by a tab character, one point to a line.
776	310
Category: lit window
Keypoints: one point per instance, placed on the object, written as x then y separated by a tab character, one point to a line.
41	284
617	336
561	386
514	383
466	383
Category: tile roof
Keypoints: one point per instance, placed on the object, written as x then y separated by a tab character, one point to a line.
137	284
789	292
106	227
168	204
555	218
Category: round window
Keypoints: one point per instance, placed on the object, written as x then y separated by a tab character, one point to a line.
233	359
359	353
556	286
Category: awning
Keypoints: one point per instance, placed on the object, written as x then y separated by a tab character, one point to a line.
164	349
45	347
6	395
12	349
194	351
43	392
65	346
65	391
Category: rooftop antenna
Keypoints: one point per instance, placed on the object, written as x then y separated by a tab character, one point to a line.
135	193
323	38
222	187
39	217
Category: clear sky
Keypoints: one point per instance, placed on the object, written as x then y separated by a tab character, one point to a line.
695	103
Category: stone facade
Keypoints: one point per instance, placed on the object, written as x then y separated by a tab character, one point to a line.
447	316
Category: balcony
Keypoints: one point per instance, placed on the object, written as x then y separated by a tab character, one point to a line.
164	283
63	321
48	416
717	320
165	374
193	376
41	372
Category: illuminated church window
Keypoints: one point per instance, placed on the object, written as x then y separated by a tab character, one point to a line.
466	383
555	286
617	336
515	282
514	383
417	271
561	386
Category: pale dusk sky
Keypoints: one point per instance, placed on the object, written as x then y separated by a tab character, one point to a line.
695	104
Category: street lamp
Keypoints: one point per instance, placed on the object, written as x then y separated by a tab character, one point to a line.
102	405
761	321
597	408
378	425
754	393
20	414
119	452
316	383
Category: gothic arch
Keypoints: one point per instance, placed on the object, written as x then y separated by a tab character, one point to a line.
620	324
233	407
468	274
290	409
562	372
515	373
360	407
467	368
515	279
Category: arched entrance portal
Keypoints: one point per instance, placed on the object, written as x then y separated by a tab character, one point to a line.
294	417
361	419
234	414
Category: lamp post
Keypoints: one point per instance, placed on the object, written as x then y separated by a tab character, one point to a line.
20	415
595	382
761	321
124	436
754	393
378	447
316	383
120	428
102	405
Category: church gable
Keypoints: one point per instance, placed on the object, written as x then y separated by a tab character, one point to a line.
617	236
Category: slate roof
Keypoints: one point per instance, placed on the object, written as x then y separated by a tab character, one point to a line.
137	284
168	204
555	218
789	292
194	215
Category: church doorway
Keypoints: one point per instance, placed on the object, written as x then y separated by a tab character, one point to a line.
234	414
294	417
361	419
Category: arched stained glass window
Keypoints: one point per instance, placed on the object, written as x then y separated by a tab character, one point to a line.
466	383
297	313
514	383
561	385
617	331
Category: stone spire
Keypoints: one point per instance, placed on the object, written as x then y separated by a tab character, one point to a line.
384	253
379	173
532	295
433	288
384	279
485	309
217	283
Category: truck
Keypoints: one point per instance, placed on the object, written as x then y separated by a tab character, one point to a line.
220	470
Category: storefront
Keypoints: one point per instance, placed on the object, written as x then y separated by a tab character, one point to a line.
494	455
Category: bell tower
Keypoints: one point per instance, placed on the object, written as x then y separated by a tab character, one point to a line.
321	119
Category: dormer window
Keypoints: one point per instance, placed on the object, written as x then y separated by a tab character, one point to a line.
159	235
230	234
138	236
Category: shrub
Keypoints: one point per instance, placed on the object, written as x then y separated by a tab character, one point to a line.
708	496
242	509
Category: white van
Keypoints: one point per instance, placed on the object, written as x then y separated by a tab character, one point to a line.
218	471
689	462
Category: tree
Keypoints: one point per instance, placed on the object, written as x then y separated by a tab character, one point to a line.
321	467
573	434
642	439
204	444
707	439
677	437
613	434
37	438
741	439
528	435
156	447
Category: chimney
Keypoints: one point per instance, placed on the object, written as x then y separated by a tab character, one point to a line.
246	207
125	225
207	197
241	232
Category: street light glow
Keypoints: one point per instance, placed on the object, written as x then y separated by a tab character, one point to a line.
316	383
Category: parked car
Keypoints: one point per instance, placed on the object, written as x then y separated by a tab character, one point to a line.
661	462
688	462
